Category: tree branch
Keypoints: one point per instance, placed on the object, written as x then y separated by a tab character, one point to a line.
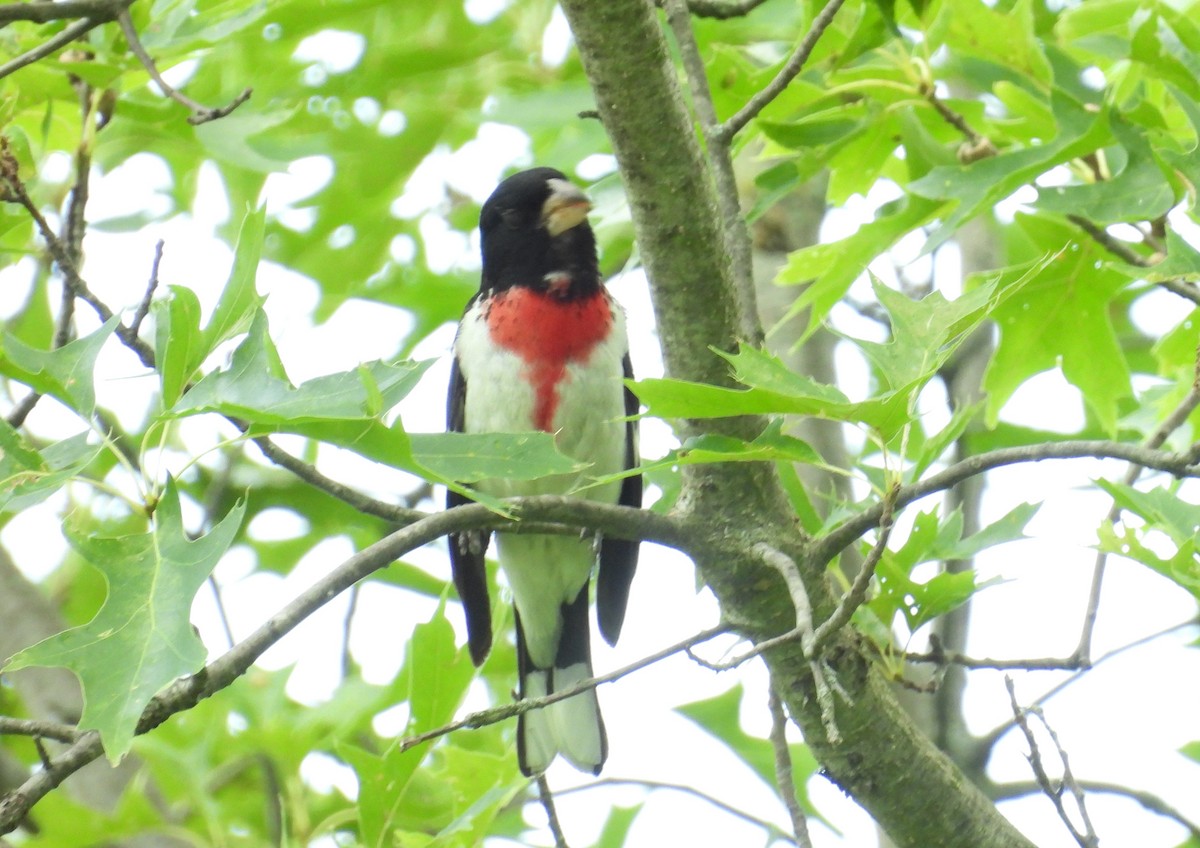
773	831
784	781
183	694
854	598
1177	464
40	729
733	225
128	335
62	257
1173	422
200	113
787	73
1087	838
504	712
721	10
72	32
988	741
143	307
547	799
97	10
734	506
1147	799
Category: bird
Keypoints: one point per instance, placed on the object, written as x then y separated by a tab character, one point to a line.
542	346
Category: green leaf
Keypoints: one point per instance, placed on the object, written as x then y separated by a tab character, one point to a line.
28	476
772	445
239	302
65	374
831	268
981	184
1191	750
773	389
1139	192
1060	317
179	345
382	782
927	332
1181	262
933	447
931	540
436	675
142	638
254	388
1010	528
616	826
921	603
1006	36
471	457
1160	508
1182	567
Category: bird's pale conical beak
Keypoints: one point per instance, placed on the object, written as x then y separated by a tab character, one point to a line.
566	207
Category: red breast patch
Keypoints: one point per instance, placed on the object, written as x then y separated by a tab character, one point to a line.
547	333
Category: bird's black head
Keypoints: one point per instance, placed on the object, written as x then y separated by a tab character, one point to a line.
534	232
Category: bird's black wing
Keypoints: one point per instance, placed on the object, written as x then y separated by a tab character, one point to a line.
618	557
467	549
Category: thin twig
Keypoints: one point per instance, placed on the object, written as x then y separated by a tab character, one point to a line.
547	799
1109	242
1170	424
803	631
989	740
784	780
721	10
74	236
74	31
78	286
143	308
484	718
309	474
773	831
32	727
854	598
786	74
200	113
214	493
1184	288
1087	838
1177	464
347	624
977	146
1147	799
21	411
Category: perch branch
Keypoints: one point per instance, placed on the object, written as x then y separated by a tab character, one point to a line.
186	692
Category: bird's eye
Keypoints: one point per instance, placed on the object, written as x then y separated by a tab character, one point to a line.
511	218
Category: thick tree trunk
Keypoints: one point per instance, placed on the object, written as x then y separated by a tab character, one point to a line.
891	768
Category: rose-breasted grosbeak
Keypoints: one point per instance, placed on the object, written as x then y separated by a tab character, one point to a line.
542	346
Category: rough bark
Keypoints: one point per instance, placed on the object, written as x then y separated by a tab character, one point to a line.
892	769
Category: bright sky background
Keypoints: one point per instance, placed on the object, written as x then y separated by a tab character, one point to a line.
1120	723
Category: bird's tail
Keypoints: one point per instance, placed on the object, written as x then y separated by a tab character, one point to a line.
572	727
